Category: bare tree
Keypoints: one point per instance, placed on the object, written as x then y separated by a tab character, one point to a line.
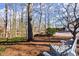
40	17
10	19
14	20
70	19
45	21
6	19
30	33
48	15
21	20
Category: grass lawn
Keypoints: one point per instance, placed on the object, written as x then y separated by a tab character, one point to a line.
15	39
2	49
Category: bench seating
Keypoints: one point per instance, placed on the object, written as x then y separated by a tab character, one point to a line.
63	50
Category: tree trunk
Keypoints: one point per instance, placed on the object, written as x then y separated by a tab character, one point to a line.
48	18
6	18
40	18
45	22
14	21
74	36
30	33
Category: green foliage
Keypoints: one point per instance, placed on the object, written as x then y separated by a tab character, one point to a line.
51	31
15	39
2	48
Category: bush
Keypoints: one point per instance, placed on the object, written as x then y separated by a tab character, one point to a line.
51	31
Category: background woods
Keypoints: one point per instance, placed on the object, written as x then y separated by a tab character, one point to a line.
27	20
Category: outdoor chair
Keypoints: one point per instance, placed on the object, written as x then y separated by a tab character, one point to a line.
72	50
63	50
69	42
46	54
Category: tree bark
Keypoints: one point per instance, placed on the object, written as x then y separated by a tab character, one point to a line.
40	18
74	35
6	18
30	33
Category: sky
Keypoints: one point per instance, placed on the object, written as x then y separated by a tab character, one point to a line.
2	5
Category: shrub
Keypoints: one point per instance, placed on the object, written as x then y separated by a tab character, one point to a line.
51	31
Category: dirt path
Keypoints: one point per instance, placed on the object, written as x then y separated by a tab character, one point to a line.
30	49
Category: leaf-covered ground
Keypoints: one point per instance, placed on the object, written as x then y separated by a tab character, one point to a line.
27	48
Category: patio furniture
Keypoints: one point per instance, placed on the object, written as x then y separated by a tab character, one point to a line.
69	42
63	50
46	54
72	50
